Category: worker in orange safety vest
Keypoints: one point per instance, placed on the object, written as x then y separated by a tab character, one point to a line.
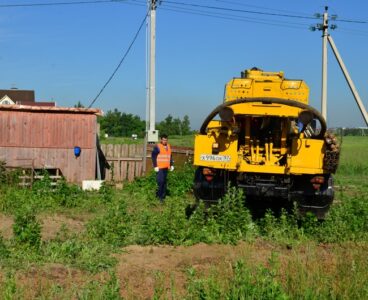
162	162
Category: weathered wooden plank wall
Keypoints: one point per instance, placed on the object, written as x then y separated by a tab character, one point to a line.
126	161
44	138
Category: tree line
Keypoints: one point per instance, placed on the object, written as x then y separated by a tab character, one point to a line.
116	123
357	131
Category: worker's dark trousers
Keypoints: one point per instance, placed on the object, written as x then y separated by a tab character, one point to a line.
161	183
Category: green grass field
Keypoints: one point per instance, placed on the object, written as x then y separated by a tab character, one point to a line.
64	243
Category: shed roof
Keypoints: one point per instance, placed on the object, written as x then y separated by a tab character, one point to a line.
51	109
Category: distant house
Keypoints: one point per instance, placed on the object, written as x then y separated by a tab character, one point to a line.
6	100
22	97
60	140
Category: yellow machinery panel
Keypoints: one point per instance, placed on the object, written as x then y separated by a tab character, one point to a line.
256	83
306	156
263	109
205	156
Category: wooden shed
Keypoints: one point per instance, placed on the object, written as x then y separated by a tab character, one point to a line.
46	138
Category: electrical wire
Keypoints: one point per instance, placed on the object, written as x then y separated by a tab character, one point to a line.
238	10
59	3
231	16
350	21
353	31
122	59
256	12
241	3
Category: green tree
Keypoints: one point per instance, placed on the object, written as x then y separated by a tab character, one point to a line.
185	126
132	124
79	105
116	123
111	123
174	126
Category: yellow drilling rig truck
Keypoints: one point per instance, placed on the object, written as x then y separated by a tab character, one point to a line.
267	140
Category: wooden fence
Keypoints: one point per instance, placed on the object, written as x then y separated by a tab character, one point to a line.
126	161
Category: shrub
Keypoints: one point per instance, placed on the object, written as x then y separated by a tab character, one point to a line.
26	228
232	217
346	221
242	284
113	227
91	255
4	252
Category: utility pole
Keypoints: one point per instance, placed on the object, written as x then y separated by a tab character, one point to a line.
326	37
152	135
324	64
324	28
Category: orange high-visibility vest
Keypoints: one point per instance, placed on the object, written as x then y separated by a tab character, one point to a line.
163	158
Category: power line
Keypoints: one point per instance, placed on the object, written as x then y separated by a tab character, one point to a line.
353	31
241	3
58	3
233	17
238	10
121	61
351	21
255	11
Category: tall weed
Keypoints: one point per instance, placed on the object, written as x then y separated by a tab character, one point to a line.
113	227
26	228
262	283
346	221
4	251
91	255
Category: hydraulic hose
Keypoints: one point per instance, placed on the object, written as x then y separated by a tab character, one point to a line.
315	112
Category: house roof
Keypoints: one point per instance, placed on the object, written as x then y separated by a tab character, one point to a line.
37	103
19	95
51	109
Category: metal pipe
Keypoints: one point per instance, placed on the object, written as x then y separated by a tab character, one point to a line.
251	150
298	104
271	148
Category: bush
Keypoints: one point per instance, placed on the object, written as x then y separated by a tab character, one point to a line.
26	228
113	227
243	284
91	255
232	217
346	221
4	252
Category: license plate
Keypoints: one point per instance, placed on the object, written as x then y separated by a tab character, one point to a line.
211	157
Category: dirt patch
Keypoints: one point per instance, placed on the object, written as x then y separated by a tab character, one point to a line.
142	269
52	279
51	225
6	226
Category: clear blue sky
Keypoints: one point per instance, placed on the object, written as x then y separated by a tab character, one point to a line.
66	53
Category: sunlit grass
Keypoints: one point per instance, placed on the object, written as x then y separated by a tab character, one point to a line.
304	259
